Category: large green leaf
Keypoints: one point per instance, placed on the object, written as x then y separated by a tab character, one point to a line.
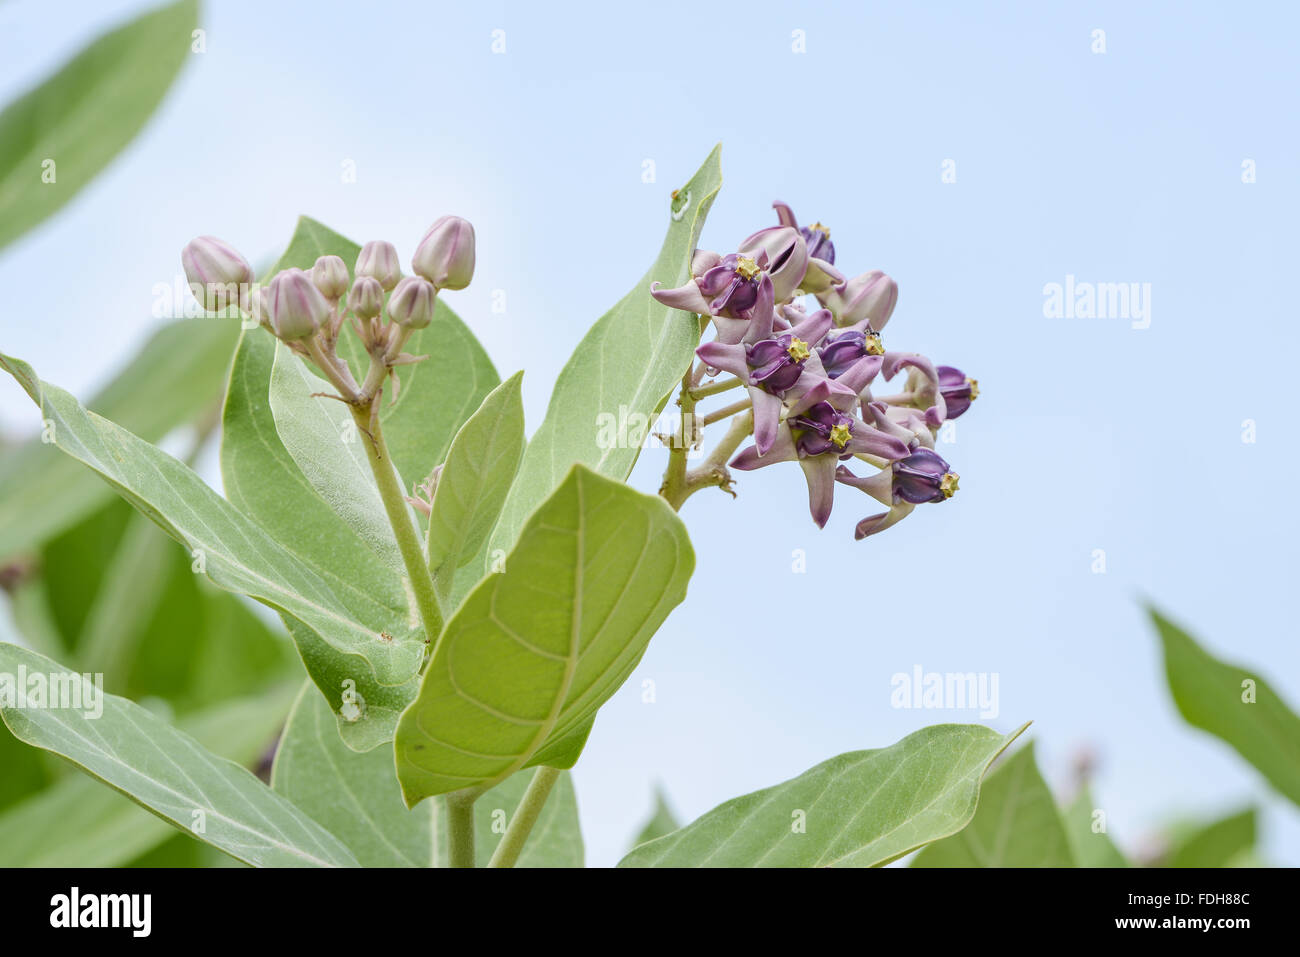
169	773
79	822
1017	824
263	481
82	116
1233	703
532	653
480	466
234	552
356	797
43	493
860	809
1086	829
1220	843
626	365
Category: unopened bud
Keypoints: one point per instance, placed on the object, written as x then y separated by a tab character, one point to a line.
869	297
379	259
366	300
296	306
445	256
217	273
411	303
330	275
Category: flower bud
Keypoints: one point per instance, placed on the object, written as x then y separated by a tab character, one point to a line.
923	477
330	276
379	259
296	306
958	390
366	300
445	256
411	303
217	273
870	297
787	257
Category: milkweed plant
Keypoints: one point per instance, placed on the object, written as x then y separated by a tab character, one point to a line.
463	601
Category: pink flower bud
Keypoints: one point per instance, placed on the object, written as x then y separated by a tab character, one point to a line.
366	300
379	259
330	276
870	297
411	303
445	256
217	273
296	306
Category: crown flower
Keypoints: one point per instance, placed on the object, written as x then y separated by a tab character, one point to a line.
810	377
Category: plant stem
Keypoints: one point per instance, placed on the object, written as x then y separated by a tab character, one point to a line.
713	388
521	825
675	475
712	472
460	827
725	411
399	516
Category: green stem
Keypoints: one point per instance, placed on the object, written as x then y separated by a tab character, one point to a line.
399	516
521	825
712	472
675	475
460	827
713	388
725	412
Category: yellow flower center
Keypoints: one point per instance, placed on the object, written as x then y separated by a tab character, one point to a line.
824	230
873	345
840	435
974	388
746	268
948	484
798	349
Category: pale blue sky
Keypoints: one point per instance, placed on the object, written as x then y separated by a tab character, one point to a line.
1117	167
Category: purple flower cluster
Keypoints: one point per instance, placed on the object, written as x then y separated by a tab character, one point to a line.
809	375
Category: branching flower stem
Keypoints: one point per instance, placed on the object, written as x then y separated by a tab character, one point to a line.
725	412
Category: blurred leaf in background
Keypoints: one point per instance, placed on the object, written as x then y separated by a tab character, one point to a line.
60	134
1234	703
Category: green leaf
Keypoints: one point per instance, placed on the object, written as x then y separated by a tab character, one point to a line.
860	809
24	773
1218	844
661	821
626	365
1017	824
1089	846
83	116
42	493
80	823
1233	703
234	552
169	773
522	666
321	437
115	592
356	797
263	481
480	466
